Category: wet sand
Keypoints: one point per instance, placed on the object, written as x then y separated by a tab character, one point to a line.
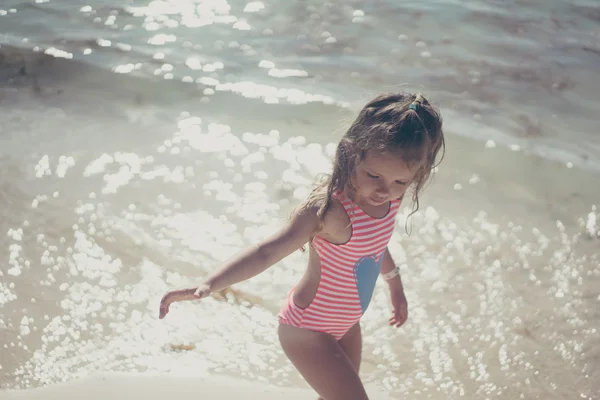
160	387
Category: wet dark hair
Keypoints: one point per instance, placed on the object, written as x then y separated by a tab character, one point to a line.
403	124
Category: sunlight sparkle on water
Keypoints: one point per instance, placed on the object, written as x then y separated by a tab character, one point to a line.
254	6
166	215
191	13
58	53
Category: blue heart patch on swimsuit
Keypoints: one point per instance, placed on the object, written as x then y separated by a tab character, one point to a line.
366	272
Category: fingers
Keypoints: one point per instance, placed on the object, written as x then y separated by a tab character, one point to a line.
181	295
163	311
164	307
398	319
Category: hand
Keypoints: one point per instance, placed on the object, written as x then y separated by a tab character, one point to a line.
400	307
173	296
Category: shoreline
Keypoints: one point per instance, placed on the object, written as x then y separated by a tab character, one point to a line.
56	78
123	386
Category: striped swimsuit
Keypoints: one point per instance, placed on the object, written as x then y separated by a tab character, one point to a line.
348	274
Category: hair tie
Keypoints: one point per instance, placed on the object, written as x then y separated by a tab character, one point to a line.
417	102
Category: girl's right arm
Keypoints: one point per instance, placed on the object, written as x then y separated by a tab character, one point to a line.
254	260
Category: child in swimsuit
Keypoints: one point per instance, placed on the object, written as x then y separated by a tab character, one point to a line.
347	220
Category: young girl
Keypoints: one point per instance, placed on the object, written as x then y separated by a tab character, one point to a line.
348	220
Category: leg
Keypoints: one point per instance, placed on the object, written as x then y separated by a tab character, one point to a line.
321	360
351	343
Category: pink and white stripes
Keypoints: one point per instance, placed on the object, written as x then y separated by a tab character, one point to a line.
348	274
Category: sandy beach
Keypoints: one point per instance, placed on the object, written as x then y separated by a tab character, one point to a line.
160	387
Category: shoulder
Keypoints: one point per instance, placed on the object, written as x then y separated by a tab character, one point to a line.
336	222
305	218
333	220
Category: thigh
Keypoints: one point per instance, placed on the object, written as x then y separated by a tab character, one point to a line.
351	343
322	363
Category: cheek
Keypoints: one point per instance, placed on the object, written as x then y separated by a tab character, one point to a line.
365	185
399	191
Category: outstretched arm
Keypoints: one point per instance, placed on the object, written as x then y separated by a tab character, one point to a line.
261	256
252	261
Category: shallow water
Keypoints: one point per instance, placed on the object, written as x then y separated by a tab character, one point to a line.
118	187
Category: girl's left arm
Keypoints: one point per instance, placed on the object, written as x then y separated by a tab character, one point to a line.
389	268
391	274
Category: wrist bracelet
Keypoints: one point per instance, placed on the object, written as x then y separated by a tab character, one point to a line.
392	274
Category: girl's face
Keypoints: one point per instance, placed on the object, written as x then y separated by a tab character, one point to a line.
381	177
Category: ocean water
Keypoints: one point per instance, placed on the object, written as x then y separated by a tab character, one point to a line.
144	142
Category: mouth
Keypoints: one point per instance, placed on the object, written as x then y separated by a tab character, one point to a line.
378	200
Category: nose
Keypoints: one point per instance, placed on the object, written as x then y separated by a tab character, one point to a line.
382	191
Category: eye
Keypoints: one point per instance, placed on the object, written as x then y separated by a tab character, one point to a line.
401	182
372	176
